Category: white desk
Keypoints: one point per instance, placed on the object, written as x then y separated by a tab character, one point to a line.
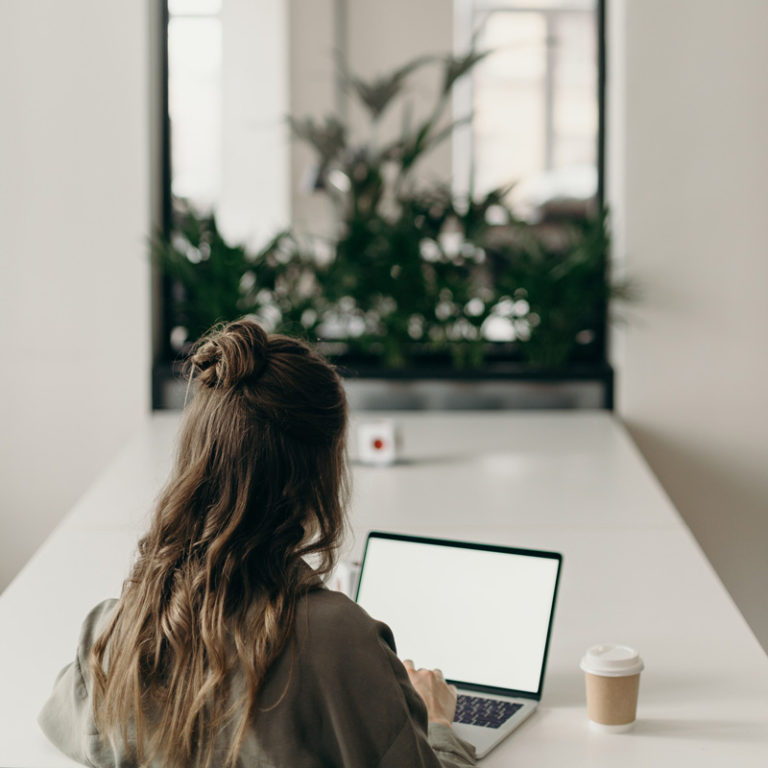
568	481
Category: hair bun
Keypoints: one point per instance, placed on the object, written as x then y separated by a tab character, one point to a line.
227	356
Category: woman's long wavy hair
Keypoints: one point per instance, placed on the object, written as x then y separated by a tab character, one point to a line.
259	484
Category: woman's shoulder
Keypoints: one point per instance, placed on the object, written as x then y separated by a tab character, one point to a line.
97	619
92	627
343	654
94	624
329	620
332	611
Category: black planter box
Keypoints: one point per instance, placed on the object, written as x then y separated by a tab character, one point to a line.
434	385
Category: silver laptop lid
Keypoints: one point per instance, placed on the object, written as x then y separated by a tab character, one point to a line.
481	613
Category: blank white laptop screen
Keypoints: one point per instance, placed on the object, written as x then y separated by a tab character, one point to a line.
482	617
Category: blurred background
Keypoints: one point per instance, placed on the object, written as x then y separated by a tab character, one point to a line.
421	189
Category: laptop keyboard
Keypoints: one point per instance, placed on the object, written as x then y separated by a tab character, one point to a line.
490	713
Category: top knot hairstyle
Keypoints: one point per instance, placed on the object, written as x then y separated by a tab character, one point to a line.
238	352
259	484
273	380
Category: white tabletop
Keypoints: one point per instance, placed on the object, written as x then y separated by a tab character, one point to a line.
567	481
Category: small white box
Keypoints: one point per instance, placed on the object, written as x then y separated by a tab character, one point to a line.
377	442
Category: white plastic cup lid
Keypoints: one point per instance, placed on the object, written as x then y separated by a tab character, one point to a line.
609	660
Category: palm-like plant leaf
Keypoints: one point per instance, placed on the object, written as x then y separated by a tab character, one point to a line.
410	147
328	139
377	94
458	66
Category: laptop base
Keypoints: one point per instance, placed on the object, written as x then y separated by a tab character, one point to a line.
484	739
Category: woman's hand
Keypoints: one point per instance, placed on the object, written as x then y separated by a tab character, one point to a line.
439	697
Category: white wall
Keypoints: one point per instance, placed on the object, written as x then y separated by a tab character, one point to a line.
74	275
689	187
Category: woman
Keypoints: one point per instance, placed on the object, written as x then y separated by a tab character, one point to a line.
224	648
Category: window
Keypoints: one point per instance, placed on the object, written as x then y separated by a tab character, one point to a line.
194	99
227	103
535	106
534	103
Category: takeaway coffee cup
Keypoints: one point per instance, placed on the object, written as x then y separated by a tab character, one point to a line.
612	675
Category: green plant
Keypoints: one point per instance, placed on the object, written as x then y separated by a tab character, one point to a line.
412	270
213	280
559	287
390	276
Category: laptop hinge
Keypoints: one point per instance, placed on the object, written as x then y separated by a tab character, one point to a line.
493	689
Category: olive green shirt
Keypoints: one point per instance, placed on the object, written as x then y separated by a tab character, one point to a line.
347	701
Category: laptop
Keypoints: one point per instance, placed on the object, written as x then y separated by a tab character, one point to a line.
480	613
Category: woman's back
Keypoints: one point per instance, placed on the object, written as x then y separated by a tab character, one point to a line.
337	696
223	648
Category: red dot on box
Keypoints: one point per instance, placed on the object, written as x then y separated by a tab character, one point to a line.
378	443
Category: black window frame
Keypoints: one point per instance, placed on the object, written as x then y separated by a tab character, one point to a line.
165	356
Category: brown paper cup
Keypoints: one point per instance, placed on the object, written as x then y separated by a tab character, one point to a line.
612	701
612	675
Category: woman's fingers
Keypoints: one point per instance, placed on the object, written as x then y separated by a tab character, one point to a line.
438	696
411	667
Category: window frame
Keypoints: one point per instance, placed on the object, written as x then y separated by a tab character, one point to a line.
164	357
462	148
